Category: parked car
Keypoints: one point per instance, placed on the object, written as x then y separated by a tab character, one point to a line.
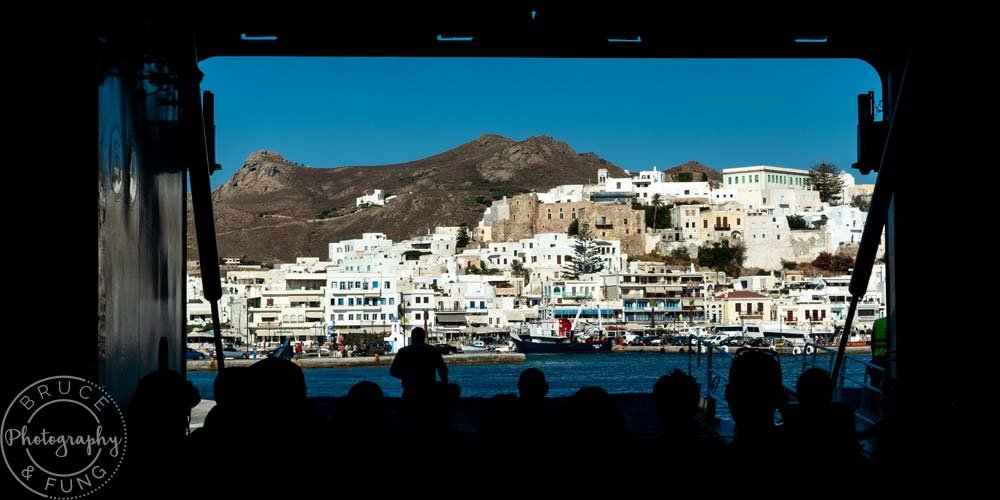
195	354
230	352
446	349
373	349
680	340
734	341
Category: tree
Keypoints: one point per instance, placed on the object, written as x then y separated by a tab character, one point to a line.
823	261
585	259
861	201
413	254
721	256
662	218
684	177
788	264
657	201
518	268
704	177
796	222
463	236
823	178
574	227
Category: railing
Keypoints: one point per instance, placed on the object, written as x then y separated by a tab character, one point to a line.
868	390
713	377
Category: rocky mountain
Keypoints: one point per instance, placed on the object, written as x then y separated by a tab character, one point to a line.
699	172
274	209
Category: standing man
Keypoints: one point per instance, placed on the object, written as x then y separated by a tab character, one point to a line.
415	365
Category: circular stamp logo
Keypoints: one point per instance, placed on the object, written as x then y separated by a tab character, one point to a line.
63	437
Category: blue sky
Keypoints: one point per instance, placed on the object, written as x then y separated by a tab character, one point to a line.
331	112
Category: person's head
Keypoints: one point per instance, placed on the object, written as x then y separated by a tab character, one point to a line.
161	406
532	385
279	378
363	406
677	397
754	391
418	335
814	387
594	404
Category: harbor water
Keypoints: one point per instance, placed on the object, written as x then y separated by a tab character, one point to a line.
566	373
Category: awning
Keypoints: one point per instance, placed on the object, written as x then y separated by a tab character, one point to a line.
477	320
211	334
450	317
514	315
530	314
571	313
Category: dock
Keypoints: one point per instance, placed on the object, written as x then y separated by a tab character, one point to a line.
360	361
673	349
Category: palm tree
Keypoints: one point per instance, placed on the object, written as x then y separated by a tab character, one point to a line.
657	201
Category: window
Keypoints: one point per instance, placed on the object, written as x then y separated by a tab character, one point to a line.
416	316
350	317
472	304
389	285
350	301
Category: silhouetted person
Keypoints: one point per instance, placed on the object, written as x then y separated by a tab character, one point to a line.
416	363
500	417
262	415
685	439
754	393
591	414
532	388
429	413
361	414
158	420
823	430
531	385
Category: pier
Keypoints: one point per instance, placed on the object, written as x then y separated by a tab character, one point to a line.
673	349
335	362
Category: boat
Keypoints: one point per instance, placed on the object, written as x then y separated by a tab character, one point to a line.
563	345
541	338
476	347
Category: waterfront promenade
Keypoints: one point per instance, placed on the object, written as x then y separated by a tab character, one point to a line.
360	361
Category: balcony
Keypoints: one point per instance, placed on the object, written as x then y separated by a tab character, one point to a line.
603	224
722	228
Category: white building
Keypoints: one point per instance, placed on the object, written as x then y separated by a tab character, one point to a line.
362	302
566	193
648	183
371	197
765	186
341	250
